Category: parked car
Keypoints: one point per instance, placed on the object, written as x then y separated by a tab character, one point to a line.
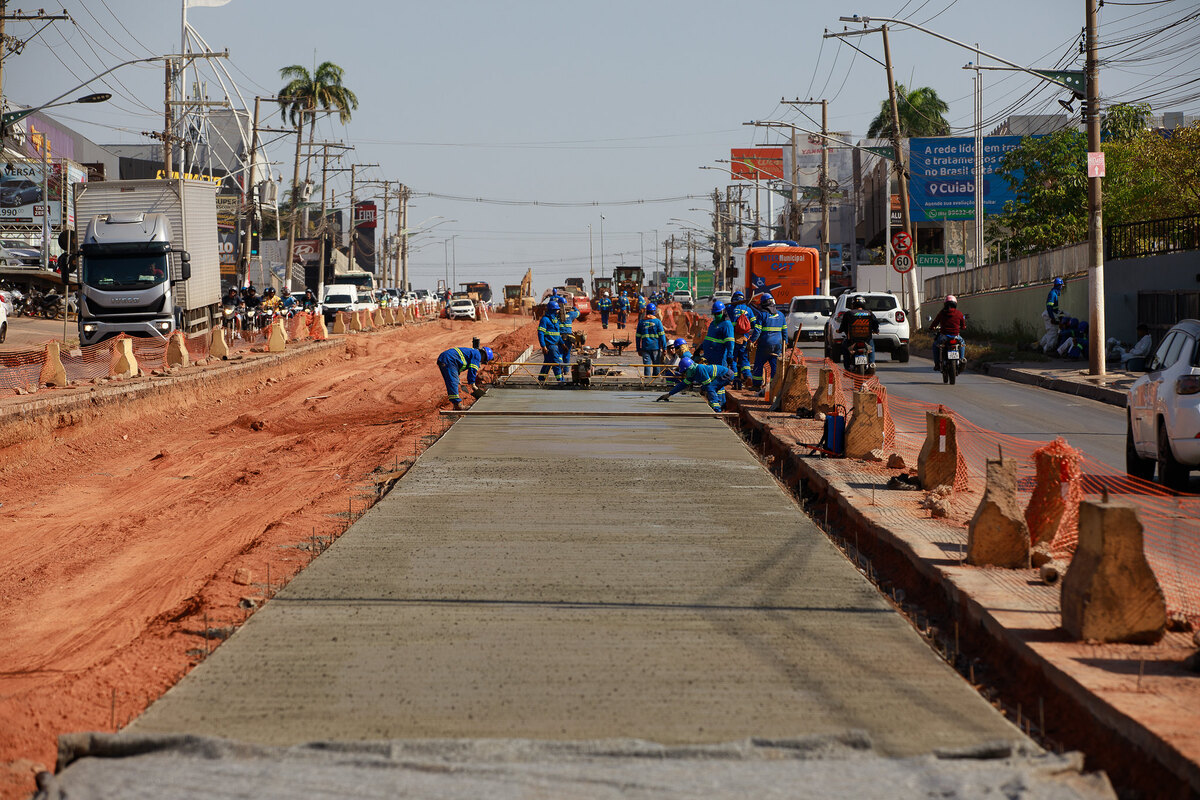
461	308
893	325
807	315
19	192
344	297
722	297
20	254
684	298
1163	423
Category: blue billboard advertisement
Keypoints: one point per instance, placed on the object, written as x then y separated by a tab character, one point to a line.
942	172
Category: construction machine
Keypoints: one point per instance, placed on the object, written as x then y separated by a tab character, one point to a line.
629	280
599	286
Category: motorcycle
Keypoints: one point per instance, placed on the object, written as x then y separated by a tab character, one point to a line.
47	305
951	357
859	360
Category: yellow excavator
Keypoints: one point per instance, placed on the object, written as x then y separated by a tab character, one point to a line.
519	299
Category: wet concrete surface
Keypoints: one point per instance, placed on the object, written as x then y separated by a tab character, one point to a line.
574	579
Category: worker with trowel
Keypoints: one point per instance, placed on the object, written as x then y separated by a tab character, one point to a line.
452	362
710	379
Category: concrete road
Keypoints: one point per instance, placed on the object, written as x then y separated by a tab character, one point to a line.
575	579
1029	412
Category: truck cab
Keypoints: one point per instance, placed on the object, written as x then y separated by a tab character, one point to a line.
125	277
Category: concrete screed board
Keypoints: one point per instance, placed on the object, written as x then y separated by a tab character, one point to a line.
580	578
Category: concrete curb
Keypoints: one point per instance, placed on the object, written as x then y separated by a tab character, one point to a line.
1103	394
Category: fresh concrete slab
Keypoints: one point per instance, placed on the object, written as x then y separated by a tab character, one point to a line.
574	579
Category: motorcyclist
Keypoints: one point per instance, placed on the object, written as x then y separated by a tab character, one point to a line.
251	298
310	300
287	300
270	301
949	322
858	326
231	299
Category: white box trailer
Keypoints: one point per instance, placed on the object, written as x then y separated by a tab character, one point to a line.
190	209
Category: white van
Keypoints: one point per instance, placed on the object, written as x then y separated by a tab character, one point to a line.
344	297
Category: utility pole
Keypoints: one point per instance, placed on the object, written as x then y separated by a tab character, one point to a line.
403	222
824	179
1096	340
321	231
388	277
901	165
354	216
168	121
251	188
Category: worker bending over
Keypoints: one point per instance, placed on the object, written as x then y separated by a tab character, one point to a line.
453	361
710	379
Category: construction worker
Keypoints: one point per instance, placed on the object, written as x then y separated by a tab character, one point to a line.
566	328
768	330
453	361
742	316
1051	317
622	310
677	350
550	340
718	340
651	340
604	305
710	379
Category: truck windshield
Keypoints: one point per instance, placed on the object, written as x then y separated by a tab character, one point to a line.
125	272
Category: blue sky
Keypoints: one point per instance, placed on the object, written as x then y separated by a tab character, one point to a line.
567	102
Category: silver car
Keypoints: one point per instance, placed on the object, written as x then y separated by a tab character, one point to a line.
1163	426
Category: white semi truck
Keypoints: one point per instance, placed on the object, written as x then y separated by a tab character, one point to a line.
149	259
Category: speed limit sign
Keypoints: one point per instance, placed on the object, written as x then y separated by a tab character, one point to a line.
901	241
902	263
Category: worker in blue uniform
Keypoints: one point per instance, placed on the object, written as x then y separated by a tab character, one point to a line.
452	362
709	379
651	340
622	310
550	340
770	326
604	305
742	316
717	347
566	330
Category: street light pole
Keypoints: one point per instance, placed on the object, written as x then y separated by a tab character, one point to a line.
602	245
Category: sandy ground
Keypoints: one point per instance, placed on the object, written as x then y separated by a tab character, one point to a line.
124	541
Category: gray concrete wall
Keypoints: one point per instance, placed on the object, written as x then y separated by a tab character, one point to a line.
999	311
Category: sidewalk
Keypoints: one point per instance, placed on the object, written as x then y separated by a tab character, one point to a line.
1069	378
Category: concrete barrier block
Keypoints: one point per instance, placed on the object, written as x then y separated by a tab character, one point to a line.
796	393
378	318
177	352
53	373
823	399
937	465
864	431
356	321
277	339
1049	509
339	322
217	348
1110	593
998	535
124	363
317	329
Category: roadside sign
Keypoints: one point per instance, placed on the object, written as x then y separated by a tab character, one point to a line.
901	241
1095	165
952	261
902	263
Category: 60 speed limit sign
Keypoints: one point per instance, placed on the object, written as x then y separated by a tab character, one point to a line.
902	263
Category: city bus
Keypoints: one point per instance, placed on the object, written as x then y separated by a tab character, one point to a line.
783	268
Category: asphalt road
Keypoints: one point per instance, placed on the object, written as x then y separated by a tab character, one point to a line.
1013	408
27	332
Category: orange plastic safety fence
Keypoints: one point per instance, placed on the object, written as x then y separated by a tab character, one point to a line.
151	354
198	344
88	363
22	369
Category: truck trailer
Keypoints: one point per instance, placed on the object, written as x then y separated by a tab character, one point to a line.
149	259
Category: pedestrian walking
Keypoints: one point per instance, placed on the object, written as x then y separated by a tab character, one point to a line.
651	340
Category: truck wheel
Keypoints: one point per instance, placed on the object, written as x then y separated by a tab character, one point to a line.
902	354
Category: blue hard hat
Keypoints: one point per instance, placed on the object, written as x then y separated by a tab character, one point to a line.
487	354
718	308
737	297
1058	282
680	343
1083	326
766	299
552	306
624	294
1074	323
685	363
651	308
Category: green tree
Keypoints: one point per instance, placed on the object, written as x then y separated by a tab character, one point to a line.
321	89
1124	122
922	113
1048	174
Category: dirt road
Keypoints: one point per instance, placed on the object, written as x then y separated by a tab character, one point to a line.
130	545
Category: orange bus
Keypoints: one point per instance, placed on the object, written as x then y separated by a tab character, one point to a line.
783	268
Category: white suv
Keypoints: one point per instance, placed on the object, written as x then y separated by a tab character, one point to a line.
1163	426
893	325
461	308
683	297
807	315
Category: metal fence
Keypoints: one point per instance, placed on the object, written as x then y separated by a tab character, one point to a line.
1153	237
1035	269
1159	310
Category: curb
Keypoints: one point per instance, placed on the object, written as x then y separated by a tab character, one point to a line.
1103	394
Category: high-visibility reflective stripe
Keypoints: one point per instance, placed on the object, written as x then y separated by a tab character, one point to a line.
463	358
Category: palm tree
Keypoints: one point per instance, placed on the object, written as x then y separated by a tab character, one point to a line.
322	89
921	114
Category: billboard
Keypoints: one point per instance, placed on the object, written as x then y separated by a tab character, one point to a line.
227	232
21	187
942	184
756	163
